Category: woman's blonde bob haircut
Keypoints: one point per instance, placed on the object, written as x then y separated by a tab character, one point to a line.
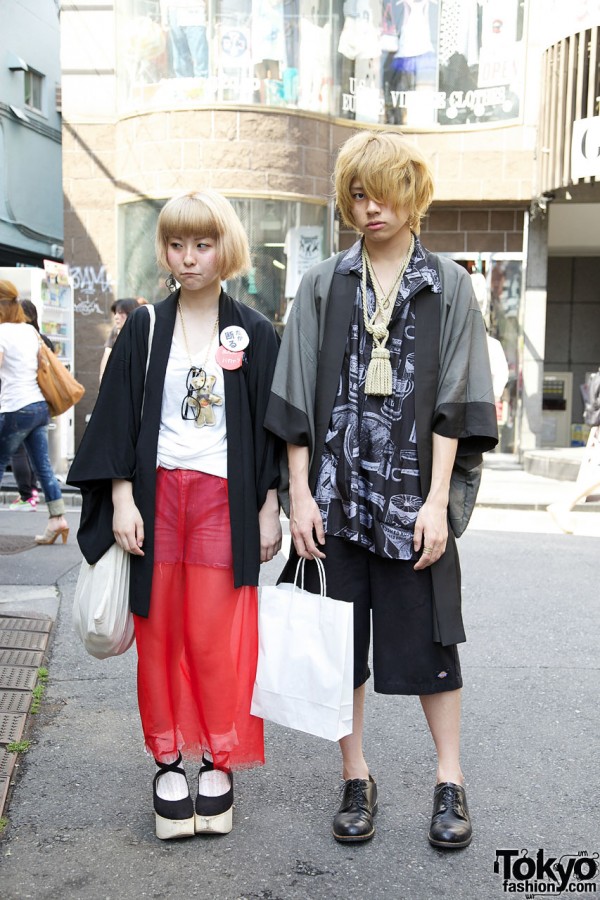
204	214
389	169
10	308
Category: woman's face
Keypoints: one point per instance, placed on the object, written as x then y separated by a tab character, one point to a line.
119	317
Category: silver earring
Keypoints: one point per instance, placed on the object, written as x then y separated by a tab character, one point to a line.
171	283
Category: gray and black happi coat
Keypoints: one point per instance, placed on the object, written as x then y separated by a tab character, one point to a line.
452	393
368	488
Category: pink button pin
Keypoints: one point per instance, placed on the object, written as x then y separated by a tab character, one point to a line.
229	359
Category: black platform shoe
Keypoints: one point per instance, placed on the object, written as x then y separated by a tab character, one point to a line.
354	819
450	822
174	818
214	815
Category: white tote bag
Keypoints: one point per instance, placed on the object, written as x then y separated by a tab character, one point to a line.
101	615
304	678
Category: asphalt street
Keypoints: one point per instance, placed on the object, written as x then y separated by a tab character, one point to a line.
80	813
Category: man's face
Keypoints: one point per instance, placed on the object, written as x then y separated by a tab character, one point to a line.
378	221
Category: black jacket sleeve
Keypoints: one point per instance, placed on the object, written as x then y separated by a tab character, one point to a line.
108	446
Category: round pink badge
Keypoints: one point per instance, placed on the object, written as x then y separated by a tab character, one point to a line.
229	359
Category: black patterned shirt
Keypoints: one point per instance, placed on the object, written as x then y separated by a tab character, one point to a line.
368	488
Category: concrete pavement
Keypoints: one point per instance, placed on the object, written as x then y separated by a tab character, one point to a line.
80	822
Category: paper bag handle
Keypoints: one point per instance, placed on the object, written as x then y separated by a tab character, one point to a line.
320	569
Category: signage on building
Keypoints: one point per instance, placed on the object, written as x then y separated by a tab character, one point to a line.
585	148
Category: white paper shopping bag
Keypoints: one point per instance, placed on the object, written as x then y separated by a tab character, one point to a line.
304	678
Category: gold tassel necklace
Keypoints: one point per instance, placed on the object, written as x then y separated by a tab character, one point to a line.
379	374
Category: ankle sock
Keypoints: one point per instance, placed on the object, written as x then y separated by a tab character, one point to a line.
213	782
172	786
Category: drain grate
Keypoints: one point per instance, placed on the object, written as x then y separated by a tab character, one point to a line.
11	727
21	658
7	763
4	783
17	678
23	640
16	623
14	701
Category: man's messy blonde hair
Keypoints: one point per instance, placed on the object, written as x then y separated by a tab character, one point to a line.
389	169
204	214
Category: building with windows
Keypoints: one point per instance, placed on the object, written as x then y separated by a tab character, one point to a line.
253	98
31	203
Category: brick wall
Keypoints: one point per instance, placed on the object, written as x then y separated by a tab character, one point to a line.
468	231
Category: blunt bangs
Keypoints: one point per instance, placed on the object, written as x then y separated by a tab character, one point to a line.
204	214
389	168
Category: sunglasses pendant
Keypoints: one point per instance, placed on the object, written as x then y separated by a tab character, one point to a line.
229	359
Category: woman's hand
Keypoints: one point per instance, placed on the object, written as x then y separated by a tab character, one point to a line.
270	527
128	525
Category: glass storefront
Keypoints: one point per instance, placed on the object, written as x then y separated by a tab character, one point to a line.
497	282
286	238
416	63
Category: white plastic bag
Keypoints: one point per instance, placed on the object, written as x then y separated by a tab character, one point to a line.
304	678
101	614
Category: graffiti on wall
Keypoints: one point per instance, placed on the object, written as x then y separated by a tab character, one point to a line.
90	282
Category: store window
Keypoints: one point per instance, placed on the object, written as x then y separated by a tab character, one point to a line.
286	238
497	284
417	63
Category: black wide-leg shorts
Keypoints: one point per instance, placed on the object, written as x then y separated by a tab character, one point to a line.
397	603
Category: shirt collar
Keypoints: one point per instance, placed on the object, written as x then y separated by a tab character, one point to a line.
419	272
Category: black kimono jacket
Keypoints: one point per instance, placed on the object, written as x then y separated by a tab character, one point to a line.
120	442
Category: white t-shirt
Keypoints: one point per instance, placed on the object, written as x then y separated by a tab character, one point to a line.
19	343
181	443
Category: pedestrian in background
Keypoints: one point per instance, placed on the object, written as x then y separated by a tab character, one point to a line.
383	378
24	413
189	488
19	461
120	310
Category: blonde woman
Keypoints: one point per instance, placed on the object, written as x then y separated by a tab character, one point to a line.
178	469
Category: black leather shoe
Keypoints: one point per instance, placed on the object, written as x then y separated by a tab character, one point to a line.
450	822
354	819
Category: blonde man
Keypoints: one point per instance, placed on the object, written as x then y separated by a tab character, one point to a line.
383	380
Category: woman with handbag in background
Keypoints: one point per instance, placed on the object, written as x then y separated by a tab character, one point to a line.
23	410
176	466
383	379
19	461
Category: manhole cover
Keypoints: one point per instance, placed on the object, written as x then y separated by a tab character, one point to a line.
16	543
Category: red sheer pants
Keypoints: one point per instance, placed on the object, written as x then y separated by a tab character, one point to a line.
197	650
